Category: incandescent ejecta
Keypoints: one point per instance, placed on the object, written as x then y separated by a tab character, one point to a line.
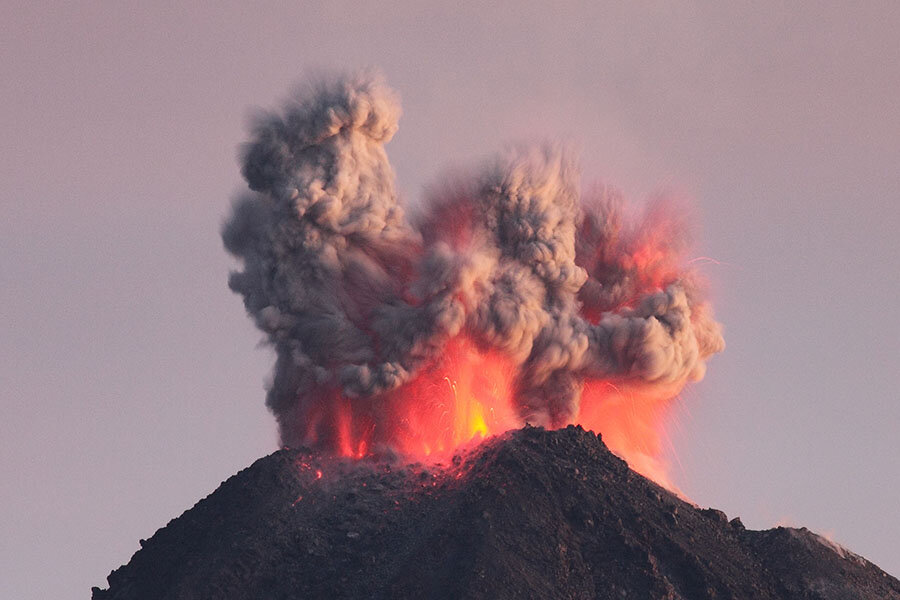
513	297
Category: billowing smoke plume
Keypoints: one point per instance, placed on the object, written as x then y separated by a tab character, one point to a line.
358	301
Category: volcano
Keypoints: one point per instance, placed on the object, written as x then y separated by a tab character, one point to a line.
532	513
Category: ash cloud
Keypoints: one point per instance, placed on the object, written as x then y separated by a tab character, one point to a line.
356	298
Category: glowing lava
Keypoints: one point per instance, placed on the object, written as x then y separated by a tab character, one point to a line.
631	418
467	395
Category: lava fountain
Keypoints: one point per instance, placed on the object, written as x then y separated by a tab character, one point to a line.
511	297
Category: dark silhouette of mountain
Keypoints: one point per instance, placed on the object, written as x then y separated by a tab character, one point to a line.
529	514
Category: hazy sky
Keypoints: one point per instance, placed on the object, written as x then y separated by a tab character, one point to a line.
130	377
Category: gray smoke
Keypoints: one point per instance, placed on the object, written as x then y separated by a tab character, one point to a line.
356	299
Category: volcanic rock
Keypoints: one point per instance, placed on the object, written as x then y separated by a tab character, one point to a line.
529	514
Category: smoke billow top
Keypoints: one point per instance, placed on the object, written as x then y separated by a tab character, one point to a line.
514	264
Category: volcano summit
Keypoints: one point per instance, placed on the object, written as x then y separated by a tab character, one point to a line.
529	514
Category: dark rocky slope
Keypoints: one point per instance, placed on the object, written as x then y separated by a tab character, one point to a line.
530	514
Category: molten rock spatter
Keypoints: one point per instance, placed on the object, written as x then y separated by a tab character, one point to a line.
376	320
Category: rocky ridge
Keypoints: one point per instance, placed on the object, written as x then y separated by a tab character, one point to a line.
531	513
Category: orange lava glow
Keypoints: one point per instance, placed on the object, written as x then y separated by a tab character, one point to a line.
630	417
465	396
468	395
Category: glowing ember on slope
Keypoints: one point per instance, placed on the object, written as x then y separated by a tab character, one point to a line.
513	298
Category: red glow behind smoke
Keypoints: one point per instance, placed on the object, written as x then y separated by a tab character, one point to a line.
631	418
465	396
467	393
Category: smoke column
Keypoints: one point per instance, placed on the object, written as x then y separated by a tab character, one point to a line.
512	298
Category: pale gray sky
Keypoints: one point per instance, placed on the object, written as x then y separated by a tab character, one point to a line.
130	377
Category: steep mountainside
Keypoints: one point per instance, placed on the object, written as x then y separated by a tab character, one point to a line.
530	514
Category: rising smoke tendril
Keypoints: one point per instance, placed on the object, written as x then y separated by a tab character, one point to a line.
356	298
